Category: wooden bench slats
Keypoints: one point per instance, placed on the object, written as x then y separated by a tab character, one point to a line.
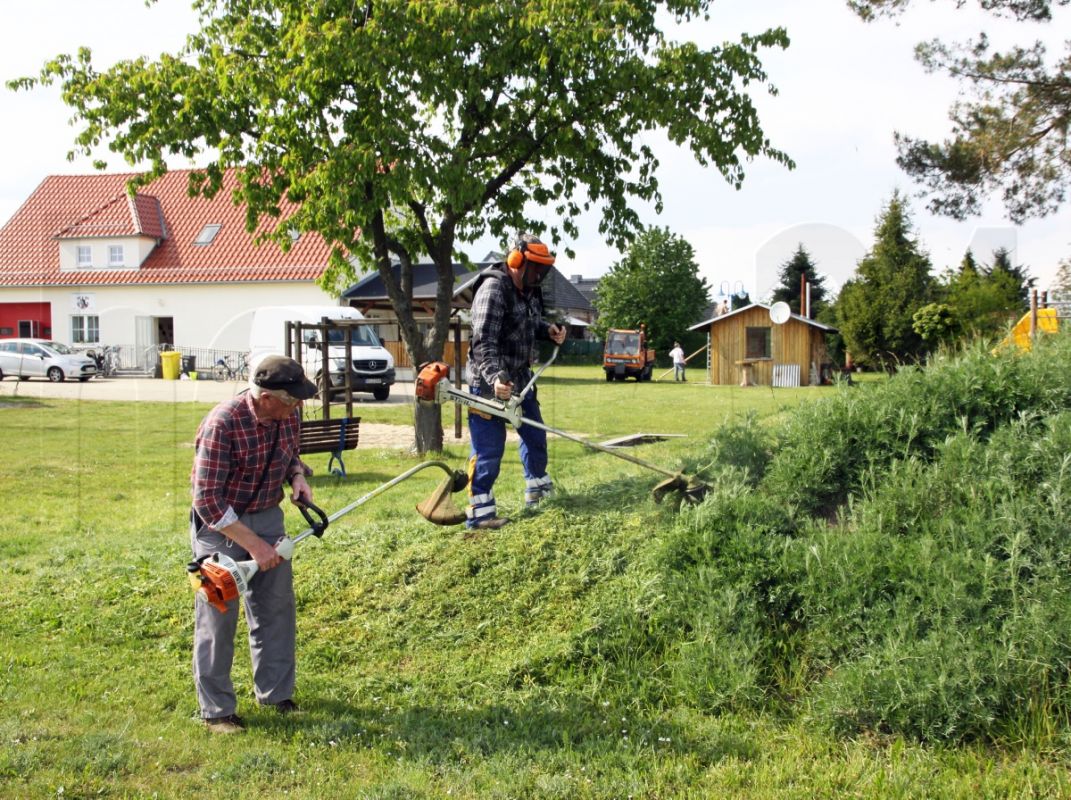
322	436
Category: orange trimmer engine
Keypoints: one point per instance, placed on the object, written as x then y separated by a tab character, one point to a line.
215	581
427	382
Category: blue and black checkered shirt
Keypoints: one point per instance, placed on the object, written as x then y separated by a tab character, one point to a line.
505	326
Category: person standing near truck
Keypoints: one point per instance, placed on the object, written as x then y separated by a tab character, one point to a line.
678	362
507	319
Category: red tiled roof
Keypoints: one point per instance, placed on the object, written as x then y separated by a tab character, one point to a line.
77	206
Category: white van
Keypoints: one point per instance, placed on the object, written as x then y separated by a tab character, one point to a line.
373	366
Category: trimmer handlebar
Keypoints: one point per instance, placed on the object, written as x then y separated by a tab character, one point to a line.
317	526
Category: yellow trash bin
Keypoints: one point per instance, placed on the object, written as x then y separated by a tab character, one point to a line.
169	364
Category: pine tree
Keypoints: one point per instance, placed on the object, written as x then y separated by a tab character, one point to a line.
799	265
1061	284
875	308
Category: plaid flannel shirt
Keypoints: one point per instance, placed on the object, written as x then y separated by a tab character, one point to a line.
230	450
505	326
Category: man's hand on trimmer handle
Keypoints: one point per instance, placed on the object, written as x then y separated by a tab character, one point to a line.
503	390
557	333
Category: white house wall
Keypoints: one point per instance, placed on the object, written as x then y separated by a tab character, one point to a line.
210	316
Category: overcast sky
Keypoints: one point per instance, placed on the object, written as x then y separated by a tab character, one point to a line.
844	87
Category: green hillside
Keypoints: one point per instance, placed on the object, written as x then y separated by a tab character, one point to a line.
872	602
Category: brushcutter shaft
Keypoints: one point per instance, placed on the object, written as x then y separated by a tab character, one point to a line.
375	492
602	448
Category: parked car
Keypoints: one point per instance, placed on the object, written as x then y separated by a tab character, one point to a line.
41	358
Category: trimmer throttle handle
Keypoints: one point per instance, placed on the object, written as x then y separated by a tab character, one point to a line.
318	526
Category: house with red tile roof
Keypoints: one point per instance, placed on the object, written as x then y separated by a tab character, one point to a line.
83	262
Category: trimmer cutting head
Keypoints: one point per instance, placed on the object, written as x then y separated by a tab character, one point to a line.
439	507
691	490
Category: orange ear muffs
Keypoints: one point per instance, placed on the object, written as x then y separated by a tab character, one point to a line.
532	251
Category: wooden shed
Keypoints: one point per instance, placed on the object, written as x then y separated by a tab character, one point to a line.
747	348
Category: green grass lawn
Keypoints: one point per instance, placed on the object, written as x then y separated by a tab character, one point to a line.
430	665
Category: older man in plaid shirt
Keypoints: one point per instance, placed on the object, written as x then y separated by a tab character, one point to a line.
246	447
507	318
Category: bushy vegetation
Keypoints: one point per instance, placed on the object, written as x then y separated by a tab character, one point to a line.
900	566
873	601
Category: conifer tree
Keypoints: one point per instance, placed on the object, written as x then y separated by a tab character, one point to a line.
876	307
799	265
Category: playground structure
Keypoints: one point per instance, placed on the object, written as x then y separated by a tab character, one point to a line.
1038	320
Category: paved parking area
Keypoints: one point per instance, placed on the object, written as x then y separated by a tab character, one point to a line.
161	391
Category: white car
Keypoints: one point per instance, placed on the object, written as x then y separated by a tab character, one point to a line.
41	358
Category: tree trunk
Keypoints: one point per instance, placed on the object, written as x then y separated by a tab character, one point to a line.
429	429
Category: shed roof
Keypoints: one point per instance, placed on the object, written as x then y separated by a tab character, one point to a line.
723	317
370	292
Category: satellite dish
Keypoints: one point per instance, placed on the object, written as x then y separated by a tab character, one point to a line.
780	312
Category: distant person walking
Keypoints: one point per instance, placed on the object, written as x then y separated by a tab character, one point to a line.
678	362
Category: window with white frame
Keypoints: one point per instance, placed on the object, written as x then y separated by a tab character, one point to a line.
115	255
85	255
85	329
207	234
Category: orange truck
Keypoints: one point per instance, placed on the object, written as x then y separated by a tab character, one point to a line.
626	355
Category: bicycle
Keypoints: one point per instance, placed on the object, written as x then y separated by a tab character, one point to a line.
225	369
107	360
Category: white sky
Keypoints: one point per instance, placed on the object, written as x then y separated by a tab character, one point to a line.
844	87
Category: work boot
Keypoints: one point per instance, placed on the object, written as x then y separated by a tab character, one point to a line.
231	723
287	706
490	524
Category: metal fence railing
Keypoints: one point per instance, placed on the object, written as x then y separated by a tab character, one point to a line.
120	359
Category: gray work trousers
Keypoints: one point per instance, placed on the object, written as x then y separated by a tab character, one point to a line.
270	614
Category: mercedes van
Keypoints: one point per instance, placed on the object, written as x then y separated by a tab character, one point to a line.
372	367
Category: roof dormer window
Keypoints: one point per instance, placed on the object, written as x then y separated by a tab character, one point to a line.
115	255
85	255
207	234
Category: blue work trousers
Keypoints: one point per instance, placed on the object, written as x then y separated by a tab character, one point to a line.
487	436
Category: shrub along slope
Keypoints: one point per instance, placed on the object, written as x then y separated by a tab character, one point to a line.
894	559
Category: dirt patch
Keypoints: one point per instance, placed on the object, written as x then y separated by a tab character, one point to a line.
381	435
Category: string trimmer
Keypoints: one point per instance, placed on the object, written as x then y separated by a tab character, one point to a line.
433	387
221	579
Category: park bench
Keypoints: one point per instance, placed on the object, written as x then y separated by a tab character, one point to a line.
330	436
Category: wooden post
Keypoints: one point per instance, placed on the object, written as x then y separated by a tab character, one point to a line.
457	375
1033	314
325	368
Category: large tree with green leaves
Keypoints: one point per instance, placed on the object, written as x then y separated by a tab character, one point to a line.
396	128
656	284
875	309
792	271
1011	134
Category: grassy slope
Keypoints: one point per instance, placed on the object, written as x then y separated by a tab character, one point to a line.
430	664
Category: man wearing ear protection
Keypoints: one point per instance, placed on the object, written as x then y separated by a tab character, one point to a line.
507	318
